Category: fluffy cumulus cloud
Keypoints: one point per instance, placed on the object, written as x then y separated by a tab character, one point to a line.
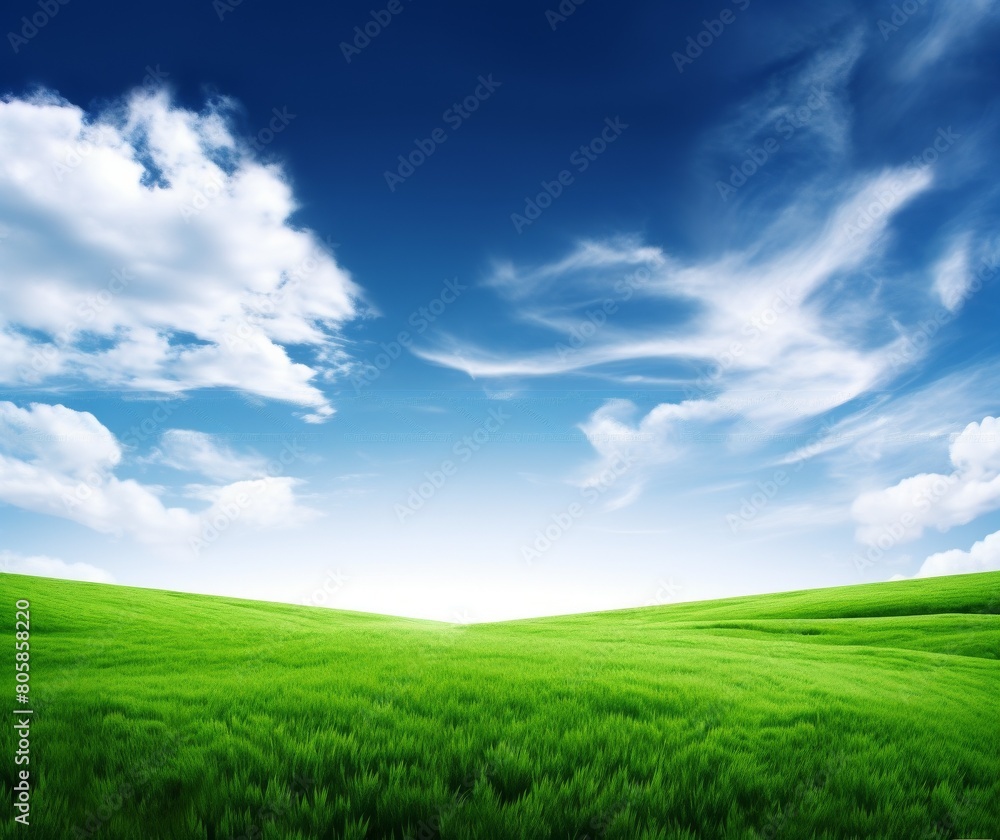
984	556
937	500
61	462
148	248
42	566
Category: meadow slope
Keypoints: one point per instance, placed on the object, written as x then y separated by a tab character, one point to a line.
857	712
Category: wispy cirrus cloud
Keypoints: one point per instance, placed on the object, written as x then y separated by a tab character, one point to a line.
725	294
763	319
950	23
805	109
804	304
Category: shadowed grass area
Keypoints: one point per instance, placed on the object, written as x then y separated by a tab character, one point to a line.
864	712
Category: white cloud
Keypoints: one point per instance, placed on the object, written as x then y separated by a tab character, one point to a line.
952	21
976	452
765	321
585	264
58	439
41	566
190	451
765	300
889	431
268	502
937	500
627	450
984	556
809	101
800	316
952	277
60	462
148	248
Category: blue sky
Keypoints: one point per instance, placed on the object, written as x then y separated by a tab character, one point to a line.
474	313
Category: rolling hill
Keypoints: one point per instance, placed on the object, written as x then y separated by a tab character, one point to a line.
857	712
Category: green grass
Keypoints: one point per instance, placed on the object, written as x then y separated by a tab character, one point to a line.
858	712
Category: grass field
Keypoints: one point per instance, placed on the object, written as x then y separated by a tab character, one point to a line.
859	712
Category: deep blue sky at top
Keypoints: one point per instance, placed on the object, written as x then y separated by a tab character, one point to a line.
352	119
